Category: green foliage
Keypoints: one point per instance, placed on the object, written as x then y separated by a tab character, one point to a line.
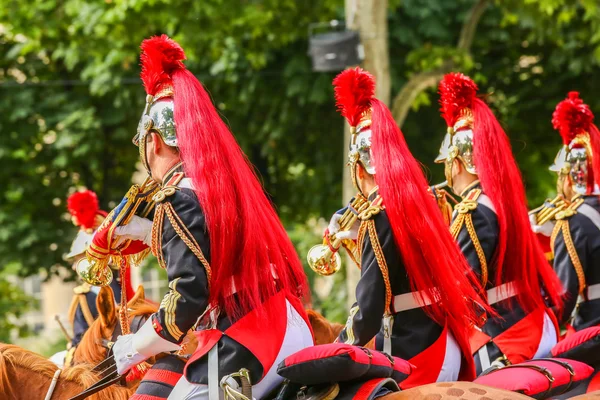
525	57
72	98
13	304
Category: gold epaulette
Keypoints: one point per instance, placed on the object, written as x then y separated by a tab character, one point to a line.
82	289
571	209
562	225
464	218
163	193
375	207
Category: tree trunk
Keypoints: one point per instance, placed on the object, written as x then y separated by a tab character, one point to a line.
427	79
369	17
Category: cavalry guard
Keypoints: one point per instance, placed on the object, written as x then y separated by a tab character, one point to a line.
414	297
87	215
576	236
492	228
234	276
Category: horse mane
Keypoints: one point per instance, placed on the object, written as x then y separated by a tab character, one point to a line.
82	375
90	350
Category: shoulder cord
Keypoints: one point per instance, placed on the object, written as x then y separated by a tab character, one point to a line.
465	218
381	262
563	225
85	308
182	232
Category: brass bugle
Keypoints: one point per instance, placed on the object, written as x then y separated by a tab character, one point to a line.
96	273
324	258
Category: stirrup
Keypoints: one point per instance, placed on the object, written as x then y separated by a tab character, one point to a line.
243	380
327	391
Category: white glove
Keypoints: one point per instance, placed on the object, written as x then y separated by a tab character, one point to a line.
130	350
334	228
125	355
545	229
137	229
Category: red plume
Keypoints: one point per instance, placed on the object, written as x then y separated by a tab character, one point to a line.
161	56
457	91
354	88
84	206
572	117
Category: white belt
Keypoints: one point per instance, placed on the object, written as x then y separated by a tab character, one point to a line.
593	292
410	301
501	293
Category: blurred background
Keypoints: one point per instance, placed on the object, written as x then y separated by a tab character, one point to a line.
71	98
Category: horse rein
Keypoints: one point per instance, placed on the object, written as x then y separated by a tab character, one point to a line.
107	368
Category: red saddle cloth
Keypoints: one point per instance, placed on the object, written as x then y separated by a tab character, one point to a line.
540	378
582	346
159	381
339	362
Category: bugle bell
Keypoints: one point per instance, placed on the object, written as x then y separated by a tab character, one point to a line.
324	258
323	261
94	272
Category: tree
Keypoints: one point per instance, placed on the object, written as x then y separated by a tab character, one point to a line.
69	78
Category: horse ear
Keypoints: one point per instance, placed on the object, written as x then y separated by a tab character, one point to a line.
105	302
139	296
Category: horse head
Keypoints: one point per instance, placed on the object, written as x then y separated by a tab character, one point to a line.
92	348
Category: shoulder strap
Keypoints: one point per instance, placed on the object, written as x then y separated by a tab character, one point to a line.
562	225
464	218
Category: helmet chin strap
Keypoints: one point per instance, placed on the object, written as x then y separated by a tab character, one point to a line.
354	162
452	155
143	153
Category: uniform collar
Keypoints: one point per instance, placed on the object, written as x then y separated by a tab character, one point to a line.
473	185
373	193
176	171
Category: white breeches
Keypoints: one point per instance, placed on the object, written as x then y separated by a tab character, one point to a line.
452	361
297	337
548	340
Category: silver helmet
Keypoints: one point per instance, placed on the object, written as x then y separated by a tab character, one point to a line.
158	116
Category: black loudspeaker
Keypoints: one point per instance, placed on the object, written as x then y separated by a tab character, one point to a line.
334	51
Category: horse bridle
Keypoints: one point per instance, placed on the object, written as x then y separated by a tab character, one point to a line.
107	368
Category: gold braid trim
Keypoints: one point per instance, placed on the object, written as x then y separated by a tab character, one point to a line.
382	264
566	231
157	228
362	230
457	226
478	249
85	308
187	238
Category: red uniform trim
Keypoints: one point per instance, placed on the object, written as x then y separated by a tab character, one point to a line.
428	363
364	392
162	375
594	383
520	342
250	332
145	397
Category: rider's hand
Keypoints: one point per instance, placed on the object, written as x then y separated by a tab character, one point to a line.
334	227
125	355
545	229
130	350
137	229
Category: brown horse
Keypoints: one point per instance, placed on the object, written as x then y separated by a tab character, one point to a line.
90	349
25	375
